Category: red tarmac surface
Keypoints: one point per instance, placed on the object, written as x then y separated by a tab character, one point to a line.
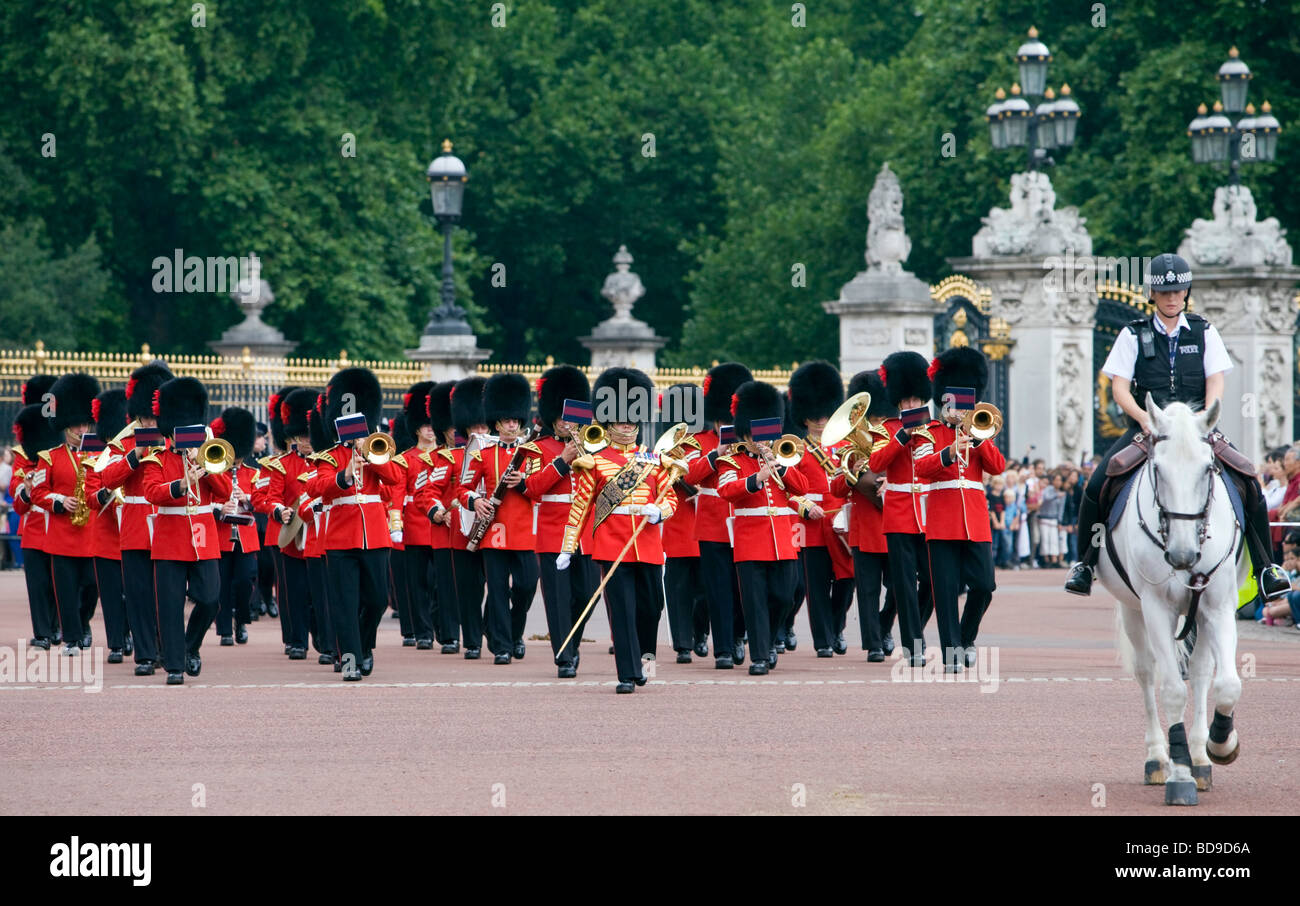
434	733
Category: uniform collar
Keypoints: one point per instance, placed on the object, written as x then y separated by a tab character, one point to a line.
623	448
1160	325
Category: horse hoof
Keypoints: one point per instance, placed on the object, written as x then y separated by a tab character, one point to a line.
1223	759
1153	773
1201	774
1180	792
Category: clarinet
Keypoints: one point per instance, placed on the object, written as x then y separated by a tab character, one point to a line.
483	523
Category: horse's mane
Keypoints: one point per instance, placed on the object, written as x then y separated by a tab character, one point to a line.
1184	428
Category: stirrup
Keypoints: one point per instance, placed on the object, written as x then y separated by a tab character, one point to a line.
1273	582
1080	579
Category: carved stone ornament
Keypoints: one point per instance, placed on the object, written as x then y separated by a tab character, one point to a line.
1272	402
622	288
887	242
1032	225
1235	237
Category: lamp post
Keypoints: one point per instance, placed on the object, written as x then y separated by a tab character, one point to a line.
447	177
1217	139
1016	123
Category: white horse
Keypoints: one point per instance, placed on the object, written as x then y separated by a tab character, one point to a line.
1178	531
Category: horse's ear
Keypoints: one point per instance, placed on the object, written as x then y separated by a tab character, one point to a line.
1210	417
1157	414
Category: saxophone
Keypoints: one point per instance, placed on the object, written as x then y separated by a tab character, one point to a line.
80	509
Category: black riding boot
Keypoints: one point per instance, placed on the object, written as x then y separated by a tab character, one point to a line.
1079	581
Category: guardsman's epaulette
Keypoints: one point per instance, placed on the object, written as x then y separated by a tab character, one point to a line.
151	456
924	431
692	441
329	458
45	455
273	463
400	459
478	454
447	454
729	461
532	447
426	457
877	429
116	444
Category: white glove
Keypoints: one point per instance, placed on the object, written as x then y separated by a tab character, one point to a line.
396	536
562	561
652	513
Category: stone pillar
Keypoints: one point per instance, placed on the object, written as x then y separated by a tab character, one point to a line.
448	357
1036	259
253	335
1243	281
884	308
623	341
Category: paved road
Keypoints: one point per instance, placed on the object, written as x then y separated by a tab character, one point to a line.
433	733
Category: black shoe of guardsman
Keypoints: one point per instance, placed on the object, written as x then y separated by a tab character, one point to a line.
1273	582
1080	580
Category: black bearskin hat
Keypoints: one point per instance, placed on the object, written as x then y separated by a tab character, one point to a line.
415	405
755	400
180	401
438	407
35	388
32	430
467	404
506	396
958	366
275	409
73	395
870	382
320	433
719	386
563	382
904	374
816	390
109	412
367	398
682	403
293	412
238	428
141	386
627	389
403	439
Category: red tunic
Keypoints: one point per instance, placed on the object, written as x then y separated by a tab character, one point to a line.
283	490
615	530
550	488
866	521
711	511
441	491
357	517
904	490
33	520
227	531
679	532
512	524
764	520
61	536
181	531
314	515
957	507
137	512
818	532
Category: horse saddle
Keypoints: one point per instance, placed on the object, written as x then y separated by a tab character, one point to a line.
1123	467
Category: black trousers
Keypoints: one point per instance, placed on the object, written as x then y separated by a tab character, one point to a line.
141	604
841	601
282	596
358	598
767	595
174	581
649	611
446	610
322	627
108	576
40	593
511	584
565	592
418	605
954	564
89	598
397	591
238	571
266	571
909	575
71	576
818	576
467	572
870	571
295	606
718	576
627	588
688	607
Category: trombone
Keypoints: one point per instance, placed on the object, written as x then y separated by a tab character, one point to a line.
981	423
592	438
785	451
216	455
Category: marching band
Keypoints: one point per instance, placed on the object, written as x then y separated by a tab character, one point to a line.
456	511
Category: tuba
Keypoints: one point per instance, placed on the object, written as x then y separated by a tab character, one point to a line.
849	422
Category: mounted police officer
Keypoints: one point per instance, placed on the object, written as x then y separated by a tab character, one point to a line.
1176	356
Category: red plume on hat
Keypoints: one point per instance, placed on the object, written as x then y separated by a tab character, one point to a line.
218	426
18	430
94	409
284	412
272	405
935	367
130	387
406	400
157	406
540	382
883	375
708	379
734	401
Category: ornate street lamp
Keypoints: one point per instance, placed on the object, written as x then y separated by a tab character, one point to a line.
1017	123
1233	133
447	178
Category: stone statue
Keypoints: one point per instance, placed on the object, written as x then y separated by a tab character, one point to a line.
887	242
1032	225
622	288
1235	237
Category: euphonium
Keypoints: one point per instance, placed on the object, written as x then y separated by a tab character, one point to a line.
850	421
378	448
216	455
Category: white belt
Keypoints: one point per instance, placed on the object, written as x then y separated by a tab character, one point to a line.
140	500
957	483
763	511
182	510
636	509
36	509
359	498
708	492
557	498
815	498
917	487
408	499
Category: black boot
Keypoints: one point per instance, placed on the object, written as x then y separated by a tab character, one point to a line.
1079	582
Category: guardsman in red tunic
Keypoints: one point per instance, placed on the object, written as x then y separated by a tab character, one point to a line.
907	387
357	541
764	522
186	545
564	592
33	434
712	515
625	485
109	411
65	494
236	527
816	391
437	465
417	552
957	511
314	513
862	489
135	532
509	547
261	504
394	502
688	609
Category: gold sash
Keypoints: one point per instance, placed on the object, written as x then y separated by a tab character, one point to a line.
618	488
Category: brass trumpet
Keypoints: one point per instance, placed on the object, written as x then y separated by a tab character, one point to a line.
378	448
216	455
788	450
983	422
594	438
